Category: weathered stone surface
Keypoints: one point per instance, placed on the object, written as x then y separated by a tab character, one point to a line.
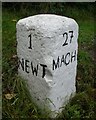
47	51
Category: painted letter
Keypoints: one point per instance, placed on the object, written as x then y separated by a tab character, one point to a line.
73	56
34	69
68	54
43	73
26	66
56	64
21	63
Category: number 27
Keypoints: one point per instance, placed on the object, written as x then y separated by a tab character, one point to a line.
66	36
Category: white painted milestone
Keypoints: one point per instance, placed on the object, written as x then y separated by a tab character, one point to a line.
47	51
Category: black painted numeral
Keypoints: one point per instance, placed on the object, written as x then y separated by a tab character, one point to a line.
71	35
30	42
66	38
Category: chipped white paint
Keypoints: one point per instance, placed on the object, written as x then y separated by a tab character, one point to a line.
47	51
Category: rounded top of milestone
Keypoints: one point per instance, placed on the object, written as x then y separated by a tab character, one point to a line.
46	21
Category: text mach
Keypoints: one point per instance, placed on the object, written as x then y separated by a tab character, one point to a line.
64	59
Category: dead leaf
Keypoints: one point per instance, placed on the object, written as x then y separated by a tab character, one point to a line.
78	78
14	20
9	96
14	56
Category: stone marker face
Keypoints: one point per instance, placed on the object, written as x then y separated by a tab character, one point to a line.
47	51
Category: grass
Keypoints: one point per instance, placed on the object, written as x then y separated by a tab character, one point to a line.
17	102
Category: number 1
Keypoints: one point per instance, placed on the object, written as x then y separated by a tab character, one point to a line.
30	42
